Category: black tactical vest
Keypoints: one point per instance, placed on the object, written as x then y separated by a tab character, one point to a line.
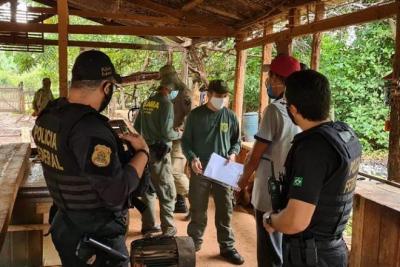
332	211
69	190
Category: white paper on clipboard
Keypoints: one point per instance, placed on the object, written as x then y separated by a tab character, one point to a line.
226	173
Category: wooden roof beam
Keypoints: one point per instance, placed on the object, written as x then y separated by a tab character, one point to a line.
41	18
191	5
102	21
108	15
251	4
362	16
273	12
118	30
188	17
221	12
51	42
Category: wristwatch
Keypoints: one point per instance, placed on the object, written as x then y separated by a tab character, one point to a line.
267	218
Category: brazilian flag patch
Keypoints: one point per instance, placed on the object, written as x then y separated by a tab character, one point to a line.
298	181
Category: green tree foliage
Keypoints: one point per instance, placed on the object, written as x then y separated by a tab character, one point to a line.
355	62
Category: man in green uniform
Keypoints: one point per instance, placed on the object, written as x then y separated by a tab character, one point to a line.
181	98
212	128
42	97
155	123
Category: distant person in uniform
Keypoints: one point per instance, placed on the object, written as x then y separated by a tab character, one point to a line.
320	177
88	175
42	97
212	128
181	98
273	141
155	122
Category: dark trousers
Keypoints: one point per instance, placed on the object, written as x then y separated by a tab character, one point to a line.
329	254
269	246
66	239
199	192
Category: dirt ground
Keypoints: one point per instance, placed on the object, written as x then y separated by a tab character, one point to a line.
15	127
244	229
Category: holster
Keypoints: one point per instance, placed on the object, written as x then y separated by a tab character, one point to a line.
158	151
274	189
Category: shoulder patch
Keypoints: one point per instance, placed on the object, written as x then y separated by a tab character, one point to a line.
224	127
101	156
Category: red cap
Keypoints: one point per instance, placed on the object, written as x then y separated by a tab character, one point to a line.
284	65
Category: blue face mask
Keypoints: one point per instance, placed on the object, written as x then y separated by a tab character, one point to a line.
270	92
173	95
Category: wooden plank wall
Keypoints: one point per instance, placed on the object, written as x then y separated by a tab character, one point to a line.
376	235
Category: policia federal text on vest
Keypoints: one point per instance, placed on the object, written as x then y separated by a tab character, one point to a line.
312	246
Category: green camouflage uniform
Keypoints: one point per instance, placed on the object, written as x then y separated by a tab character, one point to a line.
155	123
41	98
182	107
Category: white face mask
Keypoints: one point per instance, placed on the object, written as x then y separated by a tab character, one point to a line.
217	102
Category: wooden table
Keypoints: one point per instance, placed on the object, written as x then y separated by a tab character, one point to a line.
376	225
25	243
13	167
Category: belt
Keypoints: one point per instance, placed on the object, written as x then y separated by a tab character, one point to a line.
323	244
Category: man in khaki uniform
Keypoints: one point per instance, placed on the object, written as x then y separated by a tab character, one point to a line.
155	123
182	100
212	128
42	97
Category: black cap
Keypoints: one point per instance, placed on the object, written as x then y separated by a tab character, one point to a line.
218	86
94	65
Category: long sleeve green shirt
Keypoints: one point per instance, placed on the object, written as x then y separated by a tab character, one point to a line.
208	131
155	120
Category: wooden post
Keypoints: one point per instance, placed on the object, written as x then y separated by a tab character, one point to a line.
170	57
394	136
317	37
62	9
21	97
185	68
285	46
13	10
266	60
240	72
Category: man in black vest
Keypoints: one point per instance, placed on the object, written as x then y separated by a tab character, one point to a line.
321	171
86	170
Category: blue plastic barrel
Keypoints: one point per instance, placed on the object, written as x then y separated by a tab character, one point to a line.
250	126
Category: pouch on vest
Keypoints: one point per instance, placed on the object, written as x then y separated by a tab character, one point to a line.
158	151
